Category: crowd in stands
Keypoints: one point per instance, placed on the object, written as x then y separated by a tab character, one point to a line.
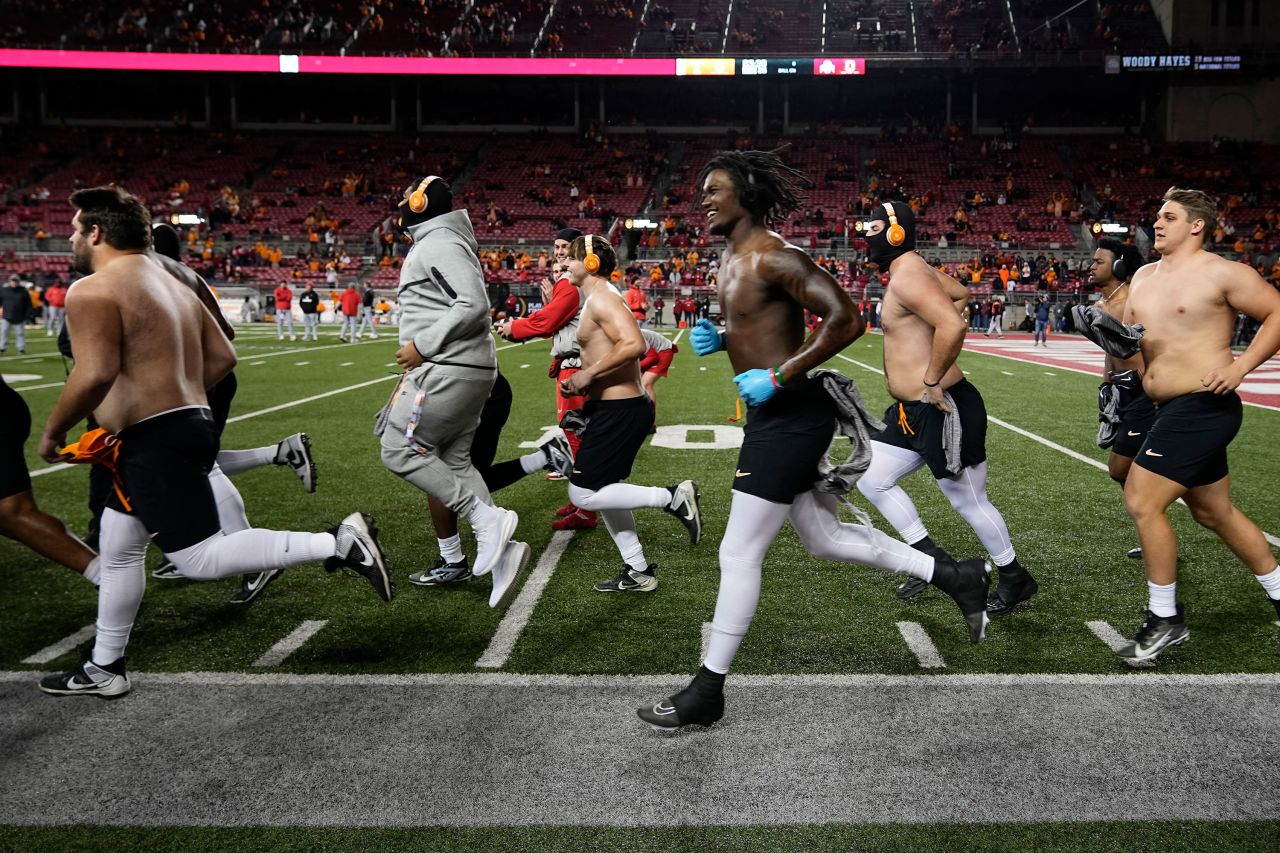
575	27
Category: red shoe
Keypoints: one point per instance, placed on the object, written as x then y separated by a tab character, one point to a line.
567	509
580	520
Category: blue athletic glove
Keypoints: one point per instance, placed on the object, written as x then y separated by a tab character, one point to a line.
756	386
705	338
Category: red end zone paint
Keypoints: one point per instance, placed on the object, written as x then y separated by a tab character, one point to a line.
1072	352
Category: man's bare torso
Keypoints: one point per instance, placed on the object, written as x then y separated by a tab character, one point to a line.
763	323
161	353
622	382
908	339
1188	323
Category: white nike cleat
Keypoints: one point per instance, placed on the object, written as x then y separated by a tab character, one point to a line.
358	549
89	679
515	559
295	451
492	539
685	506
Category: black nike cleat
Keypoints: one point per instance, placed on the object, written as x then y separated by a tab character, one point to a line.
252	586
89	679
686	506
358	550
1014	587
295	451
966	583
699	704
912	587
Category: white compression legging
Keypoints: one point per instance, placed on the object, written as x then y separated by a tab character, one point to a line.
967	492
614	503
123	574
754	524
238	461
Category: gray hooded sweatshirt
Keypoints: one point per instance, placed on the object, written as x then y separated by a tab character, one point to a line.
444	307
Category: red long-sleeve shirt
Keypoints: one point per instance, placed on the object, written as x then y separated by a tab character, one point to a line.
550	318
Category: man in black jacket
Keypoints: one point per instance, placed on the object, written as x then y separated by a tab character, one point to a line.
15	302
309	302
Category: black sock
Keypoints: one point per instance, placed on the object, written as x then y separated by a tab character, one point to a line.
1013	567
925	545
707	683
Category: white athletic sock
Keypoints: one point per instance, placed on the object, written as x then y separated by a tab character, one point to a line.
753	524
451	548
1162	600
531	462
967	492
121	583
93	571
621	525
620	496
249	551
1270	582
815	516
231	514
481	513
238	461
879	484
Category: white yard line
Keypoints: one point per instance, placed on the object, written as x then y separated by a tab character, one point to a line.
518	615
276	655
60	648
921	646
1104	632
295	350
38	387
679	335
773	682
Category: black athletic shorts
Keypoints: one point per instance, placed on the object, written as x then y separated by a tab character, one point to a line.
15	429
918	427
784	440
616	430
1188	439
220	397
1136	414
164	466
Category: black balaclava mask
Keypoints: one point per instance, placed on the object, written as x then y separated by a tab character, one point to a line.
881	250
438	199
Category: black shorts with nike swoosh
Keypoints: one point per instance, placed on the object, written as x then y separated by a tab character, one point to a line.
783	442
917	426
616	430
1188	439
1136	414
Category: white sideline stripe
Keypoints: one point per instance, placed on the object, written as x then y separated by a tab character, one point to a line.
60	648
1104	632
680	333
38	387
920	644
773	682
706	639
310	399
1046	442
294	350
61	466
275	655
520	611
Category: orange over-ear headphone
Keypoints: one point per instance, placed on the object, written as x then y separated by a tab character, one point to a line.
592	260
895	233
418	198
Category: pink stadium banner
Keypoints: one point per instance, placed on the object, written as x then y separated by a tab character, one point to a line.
298	64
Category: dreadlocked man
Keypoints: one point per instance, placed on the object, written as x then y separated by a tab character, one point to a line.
765	287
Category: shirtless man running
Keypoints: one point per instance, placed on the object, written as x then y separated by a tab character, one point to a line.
923	334
1188	302
619	416
146	351
765	286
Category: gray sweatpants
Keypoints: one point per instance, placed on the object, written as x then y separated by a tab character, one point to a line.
311	326
435	453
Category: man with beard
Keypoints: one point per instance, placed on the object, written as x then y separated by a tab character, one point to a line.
923	334
147	350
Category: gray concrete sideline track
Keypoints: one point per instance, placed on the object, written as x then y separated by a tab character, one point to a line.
228	749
